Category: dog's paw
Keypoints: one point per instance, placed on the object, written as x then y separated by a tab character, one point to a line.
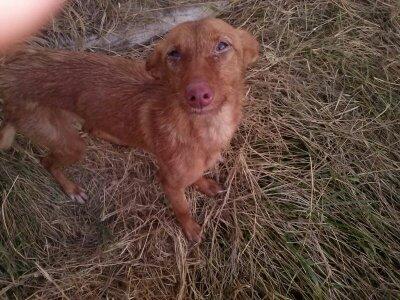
209	187
78	195
192	231
213	188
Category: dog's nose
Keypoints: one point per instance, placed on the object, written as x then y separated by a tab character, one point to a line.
199	94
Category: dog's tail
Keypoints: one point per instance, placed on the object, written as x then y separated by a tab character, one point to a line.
7	135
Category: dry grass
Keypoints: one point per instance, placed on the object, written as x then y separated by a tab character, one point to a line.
313	176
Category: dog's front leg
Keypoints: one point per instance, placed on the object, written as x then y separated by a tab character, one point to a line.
180	206
208	187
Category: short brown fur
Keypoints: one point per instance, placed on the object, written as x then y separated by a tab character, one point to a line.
134	103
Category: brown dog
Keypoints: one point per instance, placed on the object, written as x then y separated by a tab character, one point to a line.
183	105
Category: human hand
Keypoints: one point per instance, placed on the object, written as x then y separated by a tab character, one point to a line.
21	18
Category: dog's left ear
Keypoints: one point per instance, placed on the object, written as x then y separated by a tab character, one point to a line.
154	64
250	47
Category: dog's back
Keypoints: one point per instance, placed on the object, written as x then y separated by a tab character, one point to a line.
63	76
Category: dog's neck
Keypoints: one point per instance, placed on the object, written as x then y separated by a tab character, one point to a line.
214	128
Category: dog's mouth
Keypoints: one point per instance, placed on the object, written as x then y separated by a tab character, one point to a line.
212	108
200	111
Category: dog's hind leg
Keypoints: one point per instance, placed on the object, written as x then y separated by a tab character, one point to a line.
55	162
7	134
53	129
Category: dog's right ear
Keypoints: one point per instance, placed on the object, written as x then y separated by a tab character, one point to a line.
154	63
250	47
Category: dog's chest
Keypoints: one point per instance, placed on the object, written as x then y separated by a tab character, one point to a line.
218	131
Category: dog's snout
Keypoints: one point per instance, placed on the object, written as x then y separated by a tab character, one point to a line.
199	94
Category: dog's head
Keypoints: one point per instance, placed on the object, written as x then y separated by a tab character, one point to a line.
203	62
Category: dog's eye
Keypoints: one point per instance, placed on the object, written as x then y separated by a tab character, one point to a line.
174	54
222	47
